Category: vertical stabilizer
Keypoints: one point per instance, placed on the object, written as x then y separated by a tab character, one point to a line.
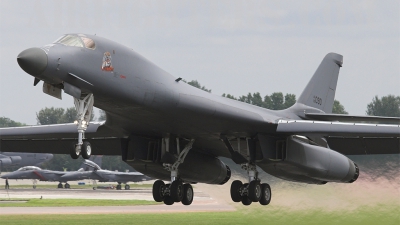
320	90
97	159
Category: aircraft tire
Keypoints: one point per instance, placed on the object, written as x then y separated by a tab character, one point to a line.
176	190
74	153
127	187
235	190
254	191
67	186
60	185
266	194
158	190
86	150
246	200
168	200
187	194
118	187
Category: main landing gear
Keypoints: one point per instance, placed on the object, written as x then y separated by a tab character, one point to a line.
254	191
176	191
84	109
66	186
119	186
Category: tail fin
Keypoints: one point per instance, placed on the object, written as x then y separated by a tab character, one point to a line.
94	158
320	90
98	159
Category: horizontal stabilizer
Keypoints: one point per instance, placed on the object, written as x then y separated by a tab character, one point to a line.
352	118
307	127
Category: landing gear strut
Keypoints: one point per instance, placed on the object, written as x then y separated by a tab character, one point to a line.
254	190
84	109
177	191
34	182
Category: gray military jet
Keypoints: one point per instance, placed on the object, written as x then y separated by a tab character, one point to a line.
169	130
20	159
35	173
106	175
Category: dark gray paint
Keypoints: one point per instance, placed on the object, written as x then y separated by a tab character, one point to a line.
23	159
142	100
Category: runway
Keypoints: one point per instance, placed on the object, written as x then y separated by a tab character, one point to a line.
202	202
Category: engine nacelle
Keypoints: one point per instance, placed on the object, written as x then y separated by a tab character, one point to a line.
147	157
203	168
9	160
304	162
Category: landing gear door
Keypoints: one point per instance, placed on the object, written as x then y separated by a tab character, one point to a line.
52	90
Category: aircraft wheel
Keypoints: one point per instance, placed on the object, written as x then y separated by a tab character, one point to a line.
75	151
127	187
66	185
60	185
235	190
187	194
86	150
118	187
246	200
158	190
176	190
266	194
94	188
254	191
168	200
34	186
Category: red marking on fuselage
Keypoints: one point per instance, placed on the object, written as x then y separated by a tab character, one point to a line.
122	76
39	175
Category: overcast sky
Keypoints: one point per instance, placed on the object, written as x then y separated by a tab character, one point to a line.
230	46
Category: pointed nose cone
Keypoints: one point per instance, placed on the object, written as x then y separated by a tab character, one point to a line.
33	61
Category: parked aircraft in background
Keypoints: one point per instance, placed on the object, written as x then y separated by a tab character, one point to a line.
35	173
8	159
106	175
151	115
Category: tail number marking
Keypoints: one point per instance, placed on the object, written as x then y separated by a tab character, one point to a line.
317	100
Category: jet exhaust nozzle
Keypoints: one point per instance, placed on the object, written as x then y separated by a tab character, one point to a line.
33	61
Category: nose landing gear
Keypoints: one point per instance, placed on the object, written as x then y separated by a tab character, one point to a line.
84	109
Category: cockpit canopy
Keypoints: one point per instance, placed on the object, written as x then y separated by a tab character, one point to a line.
79	40
26	168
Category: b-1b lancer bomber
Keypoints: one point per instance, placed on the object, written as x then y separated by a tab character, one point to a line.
171	131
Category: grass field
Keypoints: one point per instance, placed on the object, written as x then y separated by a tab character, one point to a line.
386	215
73	202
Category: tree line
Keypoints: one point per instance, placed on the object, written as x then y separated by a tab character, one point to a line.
385	106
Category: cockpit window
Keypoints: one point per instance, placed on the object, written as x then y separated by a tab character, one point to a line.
79	40
25	168
89	43
70	40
